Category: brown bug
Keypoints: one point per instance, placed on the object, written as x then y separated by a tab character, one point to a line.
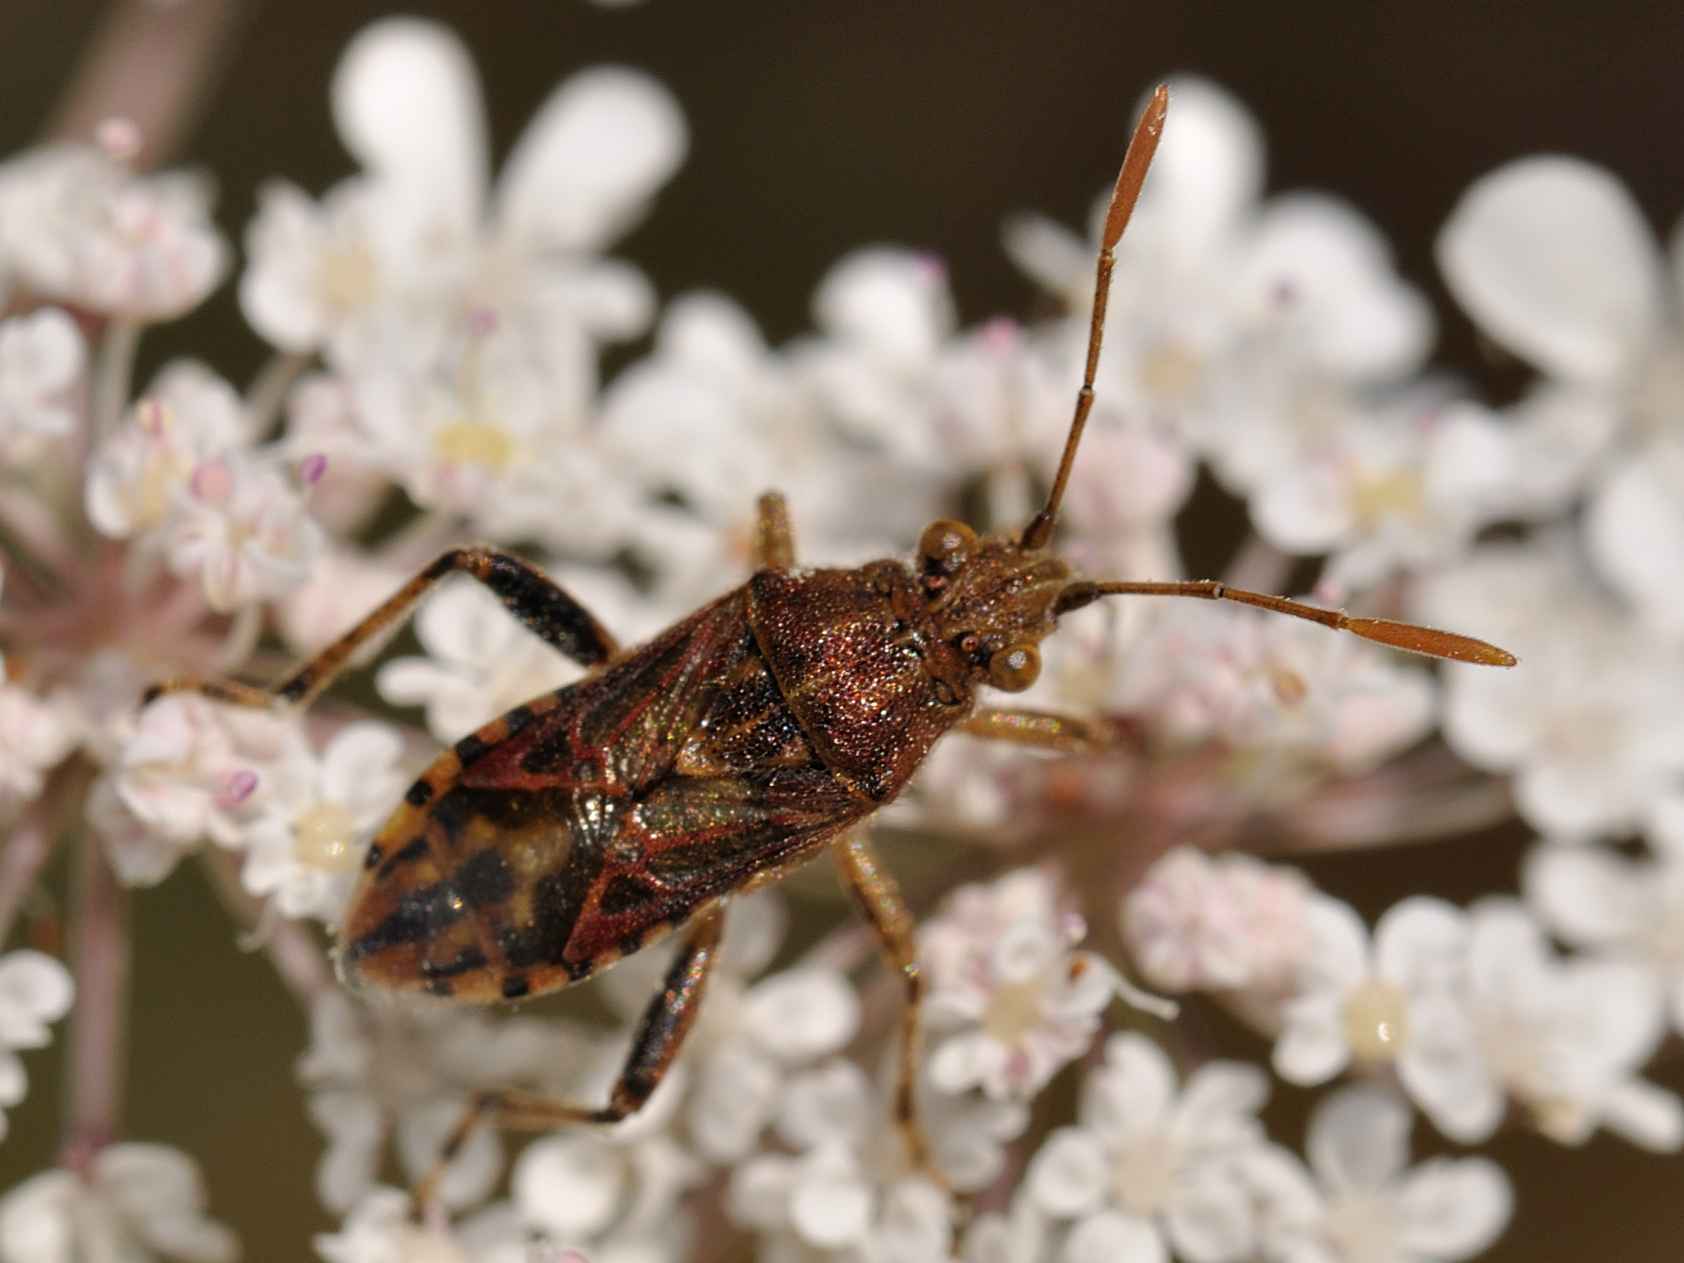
734	746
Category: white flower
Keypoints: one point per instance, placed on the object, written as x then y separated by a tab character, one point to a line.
1227	923
836	1199
379	1229
1553	257
35	990
306	848
1592	726
1400	486
1145	1172
41	362
1596	898
406	1071
1010	1003
584	1185
83	229
35	734
1248	326
1297	699
243	529
712	417
196	769
481	662
750	1037
1395	1001
1364	1203
188	418
317	272
136	1202
1564	1038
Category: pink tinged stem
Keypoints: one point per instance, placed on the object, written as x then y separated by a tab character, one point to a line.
153	66
27	850
99	1018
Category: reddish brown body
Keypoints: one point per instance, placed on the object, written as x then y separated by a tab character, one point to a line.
588	822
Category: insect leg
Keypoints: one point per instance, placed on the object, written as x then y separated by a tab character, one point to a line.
1041	730
774	540
526	592
656	1044
879	898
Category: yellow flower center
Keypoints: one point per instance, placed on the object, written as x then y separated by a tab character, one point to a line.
1376	1021
469	442
1014	1011
349	276
324	837
1398	493
1171	372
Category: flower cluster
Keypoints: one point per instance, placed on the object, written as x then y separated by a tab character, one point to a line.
437	338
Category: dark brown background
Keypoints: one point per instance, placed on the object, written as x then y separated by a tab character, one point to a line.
820	126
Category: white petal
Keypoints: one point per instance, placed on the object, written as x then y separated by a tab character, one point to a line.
1111	1237
1553	258
1445	1073
1312	1047
360	762
1359	1139
1588	896
1068	1176
1634	525
894	302
1210	1219
406	100
1646	1115
35	989
1339	945
1221	1101
1420	942
803	1014
590	159
1454	1209
1133	1091
830	1211
1208	171
568	1184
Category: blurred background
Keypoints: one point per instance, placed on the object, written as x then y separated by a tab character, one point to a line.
816	128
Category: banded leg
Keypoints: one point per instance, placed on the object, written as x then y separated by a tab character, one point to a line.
879	898
1041	730
655	1045
774	539
526	592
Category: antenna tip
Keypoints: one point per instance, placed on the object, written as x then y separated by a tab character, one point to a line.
1432	642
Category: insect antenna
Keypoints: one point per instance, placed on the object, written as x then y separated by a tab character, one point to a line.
1142	146
1407	636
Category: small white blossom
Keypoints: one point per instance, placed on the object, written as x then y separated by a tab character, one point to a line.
83	229
1563	1038
480	662
1393	1001
136	1202
35	990
1195	922
41	362
243	529
307	846
837	1198
188	418
1146	1172
195	769
35	734
1553	257
1010	1002
1592	726
1364	1203
751	1036
1595	898
1299	700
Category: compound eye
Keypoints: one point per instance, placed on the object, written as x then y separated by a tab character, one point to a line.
1014	668
944	544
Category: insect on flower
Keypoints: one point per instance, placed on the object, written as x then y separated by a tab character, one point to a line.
732	747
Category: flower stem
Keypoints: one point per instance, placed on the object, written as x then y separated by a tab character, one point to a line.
99	1020
301	964
27	849
113	373
268	391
